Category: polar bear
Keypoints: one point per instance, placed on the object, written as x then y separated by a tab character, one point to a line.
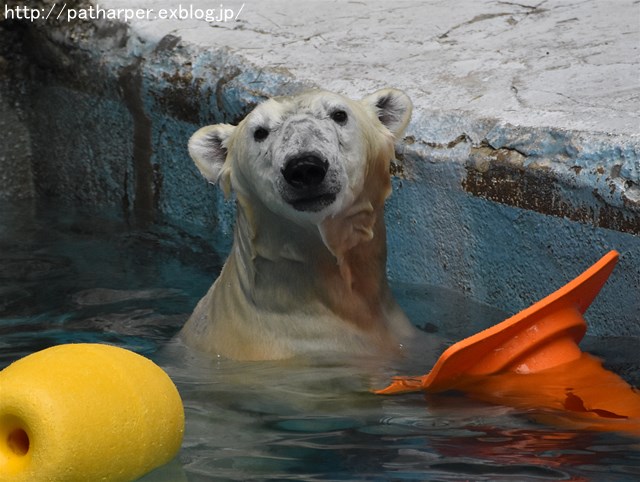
306	273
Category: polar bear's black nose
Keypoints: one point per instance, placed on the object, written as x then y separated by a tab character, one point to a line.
307	170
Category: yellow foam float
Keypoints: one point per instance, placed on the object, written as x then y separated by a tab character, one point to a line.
80	412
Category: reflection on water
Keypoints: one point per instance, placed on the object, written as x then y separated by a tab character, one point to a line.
69	276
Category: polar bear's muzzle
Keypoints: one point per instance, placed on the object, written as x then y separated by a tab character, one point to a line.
309	183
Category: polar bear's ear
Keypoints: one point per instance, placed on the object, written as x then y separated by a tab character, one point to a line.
208	149
393	108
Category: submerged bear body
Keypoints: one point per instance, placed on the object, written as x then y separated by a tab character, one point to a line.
306	273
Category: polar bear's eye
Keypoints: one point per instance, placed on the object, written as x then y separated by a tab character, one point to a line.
339	117
260	134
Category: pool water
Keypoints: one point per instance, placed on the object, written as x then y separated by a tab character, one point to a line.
68	275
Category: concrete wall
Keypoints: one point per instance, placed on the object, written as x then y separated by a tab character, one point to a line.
499	209
16	177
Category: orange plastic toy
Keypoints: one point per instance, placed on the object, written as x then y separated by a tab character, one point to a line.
532	361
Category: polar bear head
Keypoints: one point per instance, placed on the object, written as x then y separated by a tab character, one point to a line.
307	271
307	157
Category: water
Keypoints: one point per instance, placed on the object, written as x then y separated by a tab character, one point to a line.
71	276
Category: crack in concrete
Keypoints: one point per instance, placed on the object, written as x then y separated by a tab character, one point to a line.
476	19
533	10
462	138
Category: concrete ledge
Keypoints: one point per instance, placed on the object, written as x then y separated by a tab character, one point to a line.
520	168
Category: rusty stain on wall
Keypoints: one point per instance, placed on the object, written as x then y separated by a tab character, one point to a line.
500	175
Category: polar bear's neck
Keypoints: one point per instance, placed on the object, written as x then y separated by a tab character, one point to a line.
285	266
282	293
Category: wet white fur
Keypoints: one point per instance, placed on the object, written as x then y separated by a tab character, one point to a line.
301	282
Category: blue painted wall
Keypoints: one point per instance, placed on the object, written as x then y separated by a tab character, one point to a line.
104	121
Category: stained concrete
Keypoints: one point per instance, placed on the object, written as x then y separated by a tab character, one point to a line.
570	65
521	165
16	177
